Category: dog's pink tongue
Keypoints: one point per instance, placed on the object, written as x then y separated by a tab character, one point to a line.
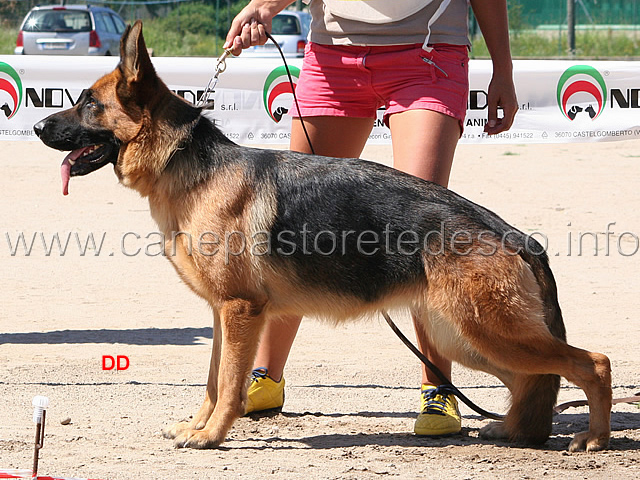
65	168
65	171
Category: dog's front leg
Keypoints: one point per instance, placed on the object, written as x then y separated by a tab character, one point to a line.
241	324
200	419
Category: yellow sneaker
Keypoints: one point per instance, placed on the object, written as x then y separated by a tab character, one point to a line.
439	414
264	393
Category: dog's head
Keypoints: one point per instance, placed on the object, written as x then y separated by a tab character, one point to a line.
114	116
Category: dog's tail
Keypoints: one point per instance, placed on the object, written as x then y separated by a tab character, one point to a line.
530	417
534	396
534	255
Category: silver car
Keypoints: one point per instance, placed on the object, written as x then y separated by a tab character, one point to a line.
70	30
290	29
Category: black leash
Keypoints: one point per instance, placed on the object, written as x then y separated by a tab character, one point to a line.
446	383
446	386
293	91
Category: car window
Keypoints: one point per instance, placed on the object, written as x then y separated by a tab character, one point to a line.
285	25
108	22
100	26
120	26
58	21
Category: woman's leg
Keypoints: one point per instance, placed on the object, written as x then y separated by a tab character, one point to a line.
424	143
343	137
331	137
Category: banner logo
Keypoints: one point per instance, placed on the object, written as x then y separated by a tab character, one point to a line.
11	84
582	85
276	91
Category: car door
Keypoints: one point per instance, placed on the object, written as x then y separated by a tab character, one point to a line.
111	37
120	28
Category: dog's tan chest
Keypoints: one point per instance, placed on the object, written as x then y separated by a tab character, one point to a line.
178	250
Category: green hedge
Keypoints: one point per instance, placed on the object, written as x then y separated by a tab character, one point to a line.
554	12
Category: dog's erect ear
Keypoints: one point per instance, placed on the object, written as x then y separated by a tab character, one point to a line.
135	63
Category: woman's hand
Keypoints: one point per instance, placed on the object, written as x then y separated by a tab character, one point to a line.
501	94
249	27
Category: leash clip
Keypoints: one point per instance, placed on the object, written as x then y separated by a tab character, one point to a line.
221	66
204	100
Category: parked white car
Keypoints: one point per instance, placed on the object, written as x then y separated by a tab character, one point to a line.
70	30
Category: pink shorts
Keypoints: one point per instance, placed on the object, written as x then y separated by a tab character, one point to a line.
355	81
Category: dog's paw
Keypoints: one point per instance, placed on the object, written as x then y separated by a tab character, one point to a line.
175	430
494	431
585	441
199	439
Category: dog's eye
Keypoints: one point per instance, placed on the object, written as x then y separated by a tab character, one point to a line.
93	106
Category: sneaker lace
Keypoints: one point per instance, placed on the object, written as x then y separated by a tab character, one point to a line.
258	374
436	399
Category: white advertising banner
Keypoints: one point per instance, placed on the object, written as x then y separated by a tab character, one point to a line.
560	101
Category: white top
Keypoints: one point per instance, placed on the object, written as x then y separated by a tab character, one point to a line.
377	11
450	25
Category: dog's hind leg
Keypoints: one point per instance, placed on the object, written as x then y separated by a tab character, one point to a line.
200	419
592	372
241	323
503	313
534	394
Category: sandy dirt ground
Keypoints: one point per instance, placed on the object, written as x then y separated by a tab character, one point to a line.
352	391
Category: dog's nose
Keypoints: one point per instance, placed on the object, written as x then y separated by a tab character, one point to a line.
39	127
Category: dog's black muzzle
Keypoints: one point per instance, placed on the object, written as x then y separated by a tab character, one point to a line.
90	149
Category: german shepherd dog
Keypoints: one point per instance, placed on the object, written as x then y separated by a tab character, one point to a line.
285	233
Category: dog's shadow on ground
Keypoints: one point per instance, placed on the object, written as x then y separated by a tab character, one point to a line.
564	428
339	440
566	425
136	336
